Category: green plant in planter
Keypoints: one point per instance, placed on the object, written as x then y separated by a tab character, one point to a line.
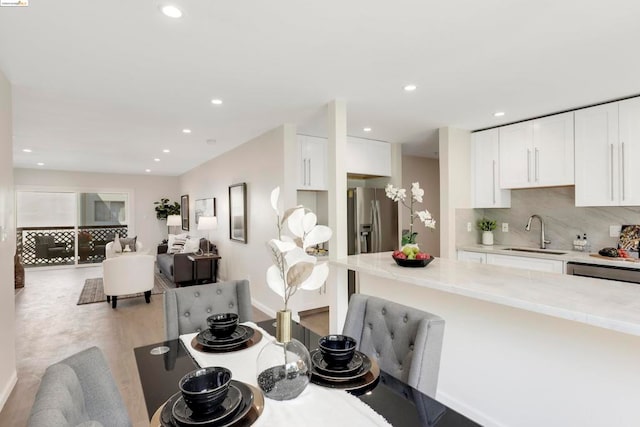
164	208
485	224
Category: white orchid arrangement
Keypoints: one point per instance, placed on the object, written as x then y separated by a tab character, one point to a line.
400	195
292	267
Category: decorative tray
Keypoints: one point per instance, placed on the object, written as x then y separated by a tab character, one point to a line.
243	337
243	415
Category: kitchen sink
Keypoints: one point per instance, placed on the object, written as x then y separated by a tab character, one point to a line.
535	251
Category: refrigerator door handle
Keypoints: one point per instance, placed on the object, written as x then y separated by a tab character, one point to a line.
356	223
376	239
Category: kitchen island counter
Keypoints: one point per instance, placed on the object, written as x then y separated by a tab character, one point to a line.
522	347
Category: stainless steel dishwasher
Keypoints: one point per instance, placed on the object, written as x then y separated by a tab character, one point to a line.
622	274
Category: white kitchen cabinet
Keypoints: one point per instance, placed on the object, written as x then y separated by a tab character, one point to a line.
607	143
539	264
313	163
537	153
479	257
368	157
485	173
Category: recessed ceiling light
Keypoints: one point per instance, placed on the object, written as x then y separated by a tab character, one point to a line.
498	114
40	164
156	159
171	11
367	129
216	101
27	150
186	130
410	88
147	170
166	150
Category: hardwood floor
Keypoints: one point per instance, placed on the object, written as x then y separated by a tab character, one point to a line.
50	326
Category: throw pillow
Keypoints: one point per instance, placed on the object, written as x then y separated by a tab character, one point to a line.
128	241
192	245
116	247
177	244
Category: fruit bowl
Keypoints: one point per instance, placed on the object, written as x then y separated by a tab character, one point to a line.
413	262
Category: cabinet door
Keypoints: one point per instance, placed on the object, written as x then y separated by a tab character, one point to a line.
368	157
516	151
485	173
538	264
629	152
552	157
596	155
480	258
312	163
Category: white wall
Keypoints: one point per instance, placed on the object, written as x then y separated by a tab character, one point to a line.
455	184
427	172
8	376
145	189
260	163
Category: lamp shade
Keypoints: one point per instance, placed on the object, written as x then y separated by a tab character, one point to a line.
207	223
173	220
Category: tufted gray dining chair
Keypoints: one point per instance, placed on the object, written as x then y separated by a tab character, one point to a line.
406	342
186	309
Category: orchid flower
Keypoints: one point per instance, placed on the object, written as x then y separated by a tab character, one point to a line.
417	193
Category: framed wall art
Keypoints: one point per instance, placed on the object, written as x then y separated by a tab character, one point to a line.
205	207
184	211
238	212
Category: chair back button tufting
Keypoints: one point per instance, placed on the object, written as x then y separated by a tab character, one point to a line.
230	305
208	310
197	294
384	311
219	291
198	330
405	319
186	314
392	336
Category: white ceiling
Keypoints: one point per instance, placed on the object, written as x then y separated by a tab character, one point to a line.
105	86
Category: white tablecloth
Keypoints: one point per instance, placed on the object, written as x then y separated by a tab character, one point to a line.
316	406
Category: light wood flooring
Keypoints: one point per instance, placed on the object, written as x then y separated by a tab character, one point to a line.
50	326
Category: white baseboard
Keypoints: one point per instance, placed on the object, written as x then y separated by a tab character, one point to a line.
8	388
468	411
271	312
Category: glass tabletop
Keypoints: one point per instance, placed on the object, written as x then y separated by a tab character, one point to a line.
161	365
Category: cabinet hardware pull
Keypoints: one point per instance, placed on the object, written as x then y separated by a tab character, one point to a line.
494	182
309	171
537	165
623	177
611	169
528	165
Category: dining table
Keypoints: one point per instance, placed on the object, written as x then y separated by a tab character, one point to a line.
387	399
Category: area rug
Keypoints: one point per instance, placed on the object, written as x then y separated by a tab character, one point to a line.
93	290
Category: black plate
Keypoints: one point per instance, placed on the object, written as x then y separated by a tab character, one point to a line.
364	368
167	419
321	365
185	416
241	335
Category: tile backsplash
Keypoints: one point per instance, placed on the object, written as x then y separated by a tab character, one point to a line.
563	220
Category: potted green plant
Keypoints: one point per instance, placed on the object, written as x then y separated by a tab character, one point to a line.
487	226
164	208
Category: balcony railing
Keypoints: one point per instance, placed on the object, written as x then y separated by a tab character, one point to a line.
57	245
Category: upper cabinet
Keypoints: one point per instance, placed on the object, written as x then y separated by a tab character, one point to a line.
537	153
486	172
607	138
368	157
312	163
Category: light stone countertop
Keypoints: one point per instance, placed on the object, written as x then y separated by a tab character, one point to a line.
569	255
606	304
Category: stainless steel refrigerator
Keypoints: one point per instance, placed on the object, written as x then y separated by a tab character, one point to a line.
372	224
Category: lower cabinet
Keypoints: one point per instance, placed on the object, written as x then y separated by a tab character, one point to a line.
539	264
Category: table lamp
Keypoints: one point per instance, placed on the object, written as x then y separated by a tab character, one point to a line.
208	223
173	221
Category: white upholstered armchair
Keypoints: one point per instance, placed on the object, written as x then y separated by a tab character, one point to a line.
128	274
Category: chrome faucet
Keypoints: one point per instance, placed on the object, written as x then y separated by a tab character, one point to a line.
543	242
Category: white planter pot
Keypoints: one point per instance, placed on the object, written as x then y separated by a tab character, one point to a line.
487	238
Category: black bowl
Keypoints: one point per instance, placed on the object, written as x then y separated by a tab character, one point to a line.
337	350
222	325
205	389
413	262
